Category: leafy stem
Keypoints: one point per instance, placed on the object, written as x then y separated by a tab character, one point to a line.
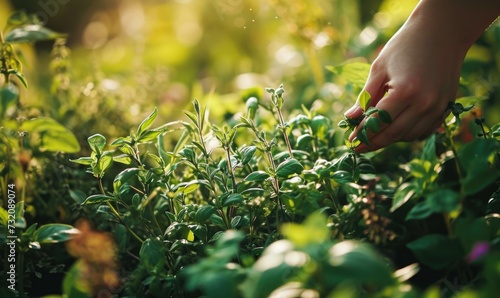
277	99
116	213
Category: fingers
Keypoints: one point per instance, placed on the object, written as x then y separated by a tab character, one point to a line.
407	123
375	86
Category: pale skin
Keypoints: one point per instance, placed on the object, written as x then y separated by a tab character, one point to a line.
417	72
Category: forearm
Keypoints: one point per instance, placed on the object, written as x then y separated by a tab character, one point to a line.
459	21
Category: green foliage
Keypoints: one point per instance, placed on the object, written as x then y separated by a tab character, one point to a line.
244	219
269	201
26	143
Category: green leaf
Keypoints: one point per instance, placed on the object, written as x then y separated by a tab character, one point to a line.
470	231
420	211
54	233
443	200
364	99
343	124
30	33
319	125
313	230
362	136
404	193
204	213
342	177
149	135
289	167
83	160
235	221
152	255
370	111
248	153
475	157
373	124
97	143
19	215
98	199
20	76
495	131
384	116
51	135
217	220
304	140
270	270
436	251
123	177
104	163
233	199
4	215
193	117
189	187
146	123
17	18
8	97
354	73
429	150
257	176
355	262
74	284
123	158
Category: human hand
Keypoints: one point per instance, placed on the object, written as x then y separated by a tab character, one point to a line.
417	73
413	79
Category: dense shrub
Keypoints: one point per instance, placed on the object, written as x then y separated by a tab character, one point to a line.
253	196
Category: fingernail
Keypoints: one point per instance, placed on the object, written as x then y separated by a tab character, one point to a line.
352	110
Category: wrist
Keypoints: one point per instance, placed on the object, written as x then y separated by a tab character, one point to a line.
460	22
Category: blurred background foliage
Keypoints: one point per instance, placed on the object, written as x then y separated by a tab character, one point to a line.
128	55
122	58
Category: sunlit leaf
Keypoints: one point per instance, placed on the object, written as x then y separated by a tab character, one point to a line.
54	233
354	73
20	76
364	99
248	153
30	33
149	135
97	143
17	18
52	136
83	160
98	199
104	163
404	193
74	284
313	230
146	123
